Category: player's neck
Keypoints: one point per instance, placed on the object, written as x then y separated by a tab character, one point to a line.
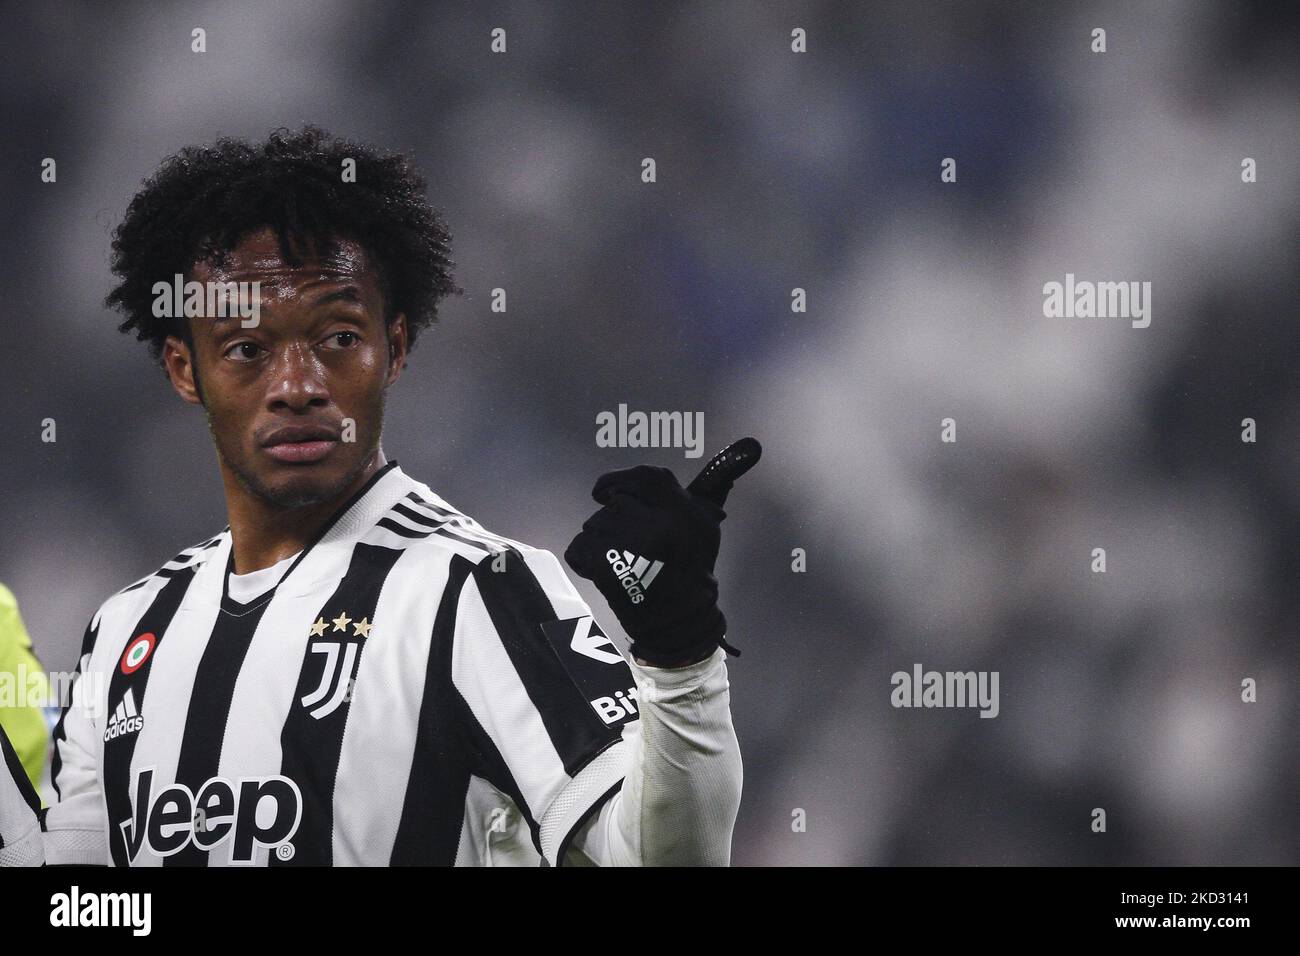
263	534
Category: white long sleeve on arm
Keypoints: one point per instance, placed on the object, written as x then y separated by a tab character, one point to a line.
20	827
678	803
76	822
73	830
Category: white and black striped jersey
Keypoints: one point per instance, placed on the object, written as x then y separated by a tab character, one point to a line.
412	686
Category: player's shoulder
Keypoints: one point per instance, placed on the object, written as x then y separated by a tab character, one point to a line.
508	567
436	529
144	589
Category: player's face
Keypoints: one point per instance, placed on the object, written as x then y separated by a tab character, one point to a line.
279	395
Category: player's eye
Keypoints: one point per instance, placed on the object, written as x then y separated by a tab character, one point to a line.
344	340
243	351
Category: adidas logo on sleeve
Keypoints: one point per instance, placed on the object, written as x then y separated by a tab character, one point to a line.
125	720
635	574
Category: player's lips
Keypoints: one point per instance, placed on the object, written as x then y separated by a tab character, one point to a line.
300	443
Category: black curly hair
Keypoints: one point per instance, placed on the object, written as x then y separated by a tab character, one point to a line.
204	200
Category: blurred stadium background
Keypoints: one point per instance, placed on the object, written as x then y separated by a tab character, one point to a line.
776	170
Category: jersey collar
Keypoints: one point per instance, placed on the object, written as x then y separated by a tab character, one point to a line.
325	557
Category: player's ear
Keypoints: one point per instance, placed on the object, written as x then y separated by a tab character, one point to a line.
178	359
397	343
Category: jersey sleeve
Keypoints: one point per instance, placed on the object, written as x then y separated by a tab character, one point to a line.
548	696
20	828
76	823
679	801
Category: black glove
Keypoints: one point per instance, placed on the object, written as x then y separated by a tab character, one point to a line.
651	550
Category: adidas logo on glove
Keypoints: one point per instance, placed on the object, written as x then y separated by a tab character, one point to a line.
635	574
646	507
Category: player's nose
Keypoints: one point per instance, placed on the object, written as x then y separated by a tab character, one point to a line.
297	379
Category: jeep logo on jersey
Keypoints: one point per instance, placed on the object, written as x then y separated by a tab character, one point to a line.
252	812
595	665
137	652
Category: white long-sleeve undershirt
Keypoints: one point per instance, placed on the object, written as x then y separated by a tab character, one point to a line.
677	805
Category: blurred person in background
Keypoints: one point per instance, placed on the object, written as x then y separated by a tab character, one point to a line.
24	691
